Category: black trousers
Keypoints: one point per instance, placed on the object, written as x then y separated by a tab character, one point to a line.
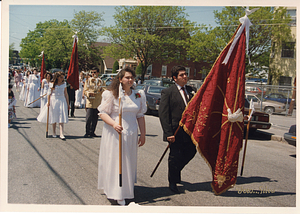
91	120
72	107
181	152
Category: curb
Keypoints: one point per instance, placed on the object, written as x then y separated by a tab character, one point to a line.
273	137
278	138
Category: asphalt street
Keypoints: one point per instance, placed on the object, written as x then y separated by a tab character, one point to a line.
49	171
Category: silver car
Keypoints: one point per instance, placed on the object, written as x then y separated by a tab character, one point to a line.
268	106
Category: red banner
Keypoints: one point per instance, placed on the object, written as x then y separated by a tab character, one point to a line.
205	118
73	72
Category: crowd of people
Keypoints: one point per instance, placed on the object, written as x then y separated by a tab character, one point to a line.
32	88
122	110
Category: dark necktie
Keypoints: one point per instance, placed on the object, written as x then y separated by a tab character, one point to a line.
185	96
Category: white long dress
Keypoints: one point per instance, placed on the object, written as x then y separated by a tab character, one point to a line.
58	110
33	93
83	100
78	95
43	92
108	169
23	89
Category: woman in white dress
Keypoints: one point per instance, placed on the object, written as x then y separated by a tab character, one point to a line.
24	87
33	90
58	105
45	88
133	108
78	93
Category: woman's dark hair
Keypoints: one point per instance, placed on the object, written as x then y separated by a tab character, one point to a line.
114	86
48	73
55	78
11	94
175	70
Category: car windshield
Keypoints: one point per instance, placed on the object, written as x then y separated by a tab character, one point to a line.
138	87
152	82
154	90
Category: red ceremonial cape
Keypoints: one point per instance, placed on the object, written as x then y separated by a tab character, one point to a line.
73	72
205	118
43	68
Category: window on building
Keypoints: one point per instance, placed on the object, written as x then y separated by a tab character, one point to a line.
187	70
288	50
149	70
292	13
164	70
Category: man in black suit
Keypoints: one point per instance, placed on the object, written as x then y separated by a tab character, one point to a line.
71	94
172	104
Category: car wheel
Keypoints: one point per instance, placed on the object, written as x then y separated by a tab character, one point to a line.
269	110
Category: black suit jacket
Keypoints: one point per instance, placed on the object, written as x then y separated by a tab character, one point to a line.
171	108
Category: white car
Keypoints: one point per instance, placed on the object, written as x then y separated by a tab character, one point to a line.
268	106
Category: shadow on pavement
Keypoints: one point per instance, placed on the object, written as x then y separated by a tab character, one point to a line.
259	135
149	195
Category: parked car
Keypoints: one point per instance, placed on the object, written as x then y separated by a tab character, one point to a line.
53	70
112	75
278	97
268	106
290	137
158	82
153	94
196	84
259	120
254	89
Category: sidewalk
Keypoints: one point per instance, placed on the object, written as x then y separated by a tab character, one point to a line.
280	125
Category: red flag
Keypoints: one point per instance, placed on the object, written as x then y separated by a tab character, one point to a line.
73	72
205	118
43	68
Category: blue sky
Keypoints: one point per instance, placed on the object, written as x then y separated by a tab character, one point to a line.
23	18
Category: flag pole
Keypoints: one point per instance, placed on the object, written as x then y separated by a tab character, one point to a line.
37	99
27	95
47	118
120	144
246	140
48	106
163	154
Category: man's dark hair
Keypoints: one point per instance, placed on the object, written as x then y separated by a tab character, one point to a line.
95	69
175	70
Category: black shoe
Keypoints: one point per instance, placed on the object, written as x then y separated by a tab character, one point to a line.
73	116
86	136
93	135
174	188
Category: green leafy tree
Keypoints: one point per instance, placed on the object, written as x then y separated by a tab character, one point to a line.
115	66
139	69
87	25
55	39
269	25
205	46
52	37
57	44
148	34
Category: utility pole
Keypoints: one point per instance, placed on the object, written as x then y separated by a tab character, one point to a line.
292	104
